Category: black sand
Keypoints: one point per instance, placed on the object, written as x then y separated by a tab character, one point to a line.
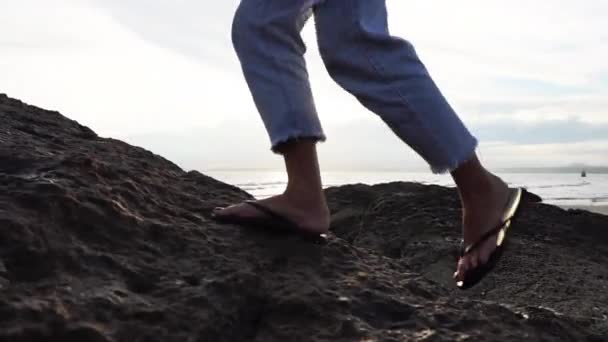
103	241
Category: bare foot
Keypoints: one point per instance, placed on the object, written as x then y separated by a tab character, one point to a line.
482	211
310	214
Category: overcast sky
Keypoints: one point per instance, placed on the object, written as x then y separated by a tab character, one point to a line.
530	78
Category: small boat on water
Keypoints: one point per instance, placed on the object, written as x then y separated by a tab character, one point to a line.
583	173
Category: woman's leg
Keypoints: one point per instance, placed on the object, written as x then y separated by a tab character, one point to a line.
266	36
387	77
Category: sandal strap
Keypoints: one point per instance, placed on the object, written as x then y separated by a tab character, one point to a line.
264	209
468	249
513	203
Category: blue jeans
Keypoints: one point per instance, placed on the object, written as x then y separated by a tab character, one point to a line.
383	72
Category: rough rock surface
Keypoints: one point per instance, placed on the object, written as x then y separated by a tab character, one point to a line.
103	241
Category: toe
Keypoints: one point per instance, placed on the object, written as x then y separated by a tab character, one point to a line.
485	254
218	211
486	250
234	209
474	260
461	268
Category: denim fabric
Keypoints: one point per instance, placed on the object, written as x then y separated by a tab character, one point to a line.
383	72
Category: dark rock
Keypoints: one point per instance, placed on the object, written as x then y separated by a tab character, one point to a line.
103	241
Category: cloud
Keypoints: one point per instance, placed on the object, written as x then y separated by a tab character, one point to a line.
479	52
197	29
110	78
548	155
502	144
525	76
512	131
554	41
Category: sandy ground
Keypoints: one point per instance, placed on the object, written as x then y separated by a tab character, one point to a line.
101	241
600	209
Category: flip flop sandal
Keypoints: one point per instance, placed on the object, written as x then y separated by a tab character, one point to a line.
271	220
475	275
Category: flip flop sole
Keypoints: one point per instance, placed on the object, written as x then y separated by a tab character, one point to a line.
270	224
512	212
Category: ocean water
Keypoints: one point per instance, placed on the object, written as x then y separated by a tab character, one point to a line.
563	189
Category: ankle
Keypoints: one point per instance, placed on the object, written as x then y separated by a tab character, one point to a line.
483	191
304	196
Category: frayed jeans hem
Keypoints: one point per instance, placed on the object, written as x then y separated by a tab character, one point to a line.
294	138
462	157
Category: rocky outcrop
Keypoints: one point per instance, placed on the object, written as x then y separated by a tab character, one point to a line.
103	241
